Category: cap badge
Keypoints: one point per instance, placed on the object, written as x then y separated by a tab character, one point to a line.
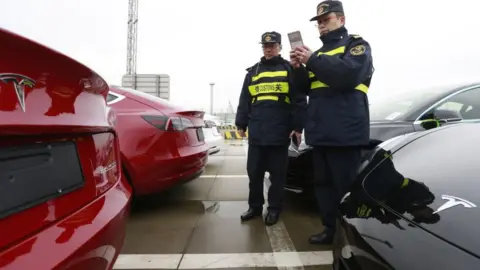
321	8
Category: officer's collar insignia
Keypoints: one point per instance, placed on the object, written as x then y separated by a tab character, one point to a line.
358	50
321	8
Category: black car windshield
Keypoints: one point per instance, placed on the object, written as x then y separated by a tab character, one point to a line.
391	108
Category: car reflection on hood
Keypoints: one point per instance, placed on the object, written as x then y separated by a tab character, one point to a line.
392	191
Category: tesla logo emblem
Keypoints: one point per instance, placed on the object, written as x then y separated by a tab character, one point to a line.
19	82
454	201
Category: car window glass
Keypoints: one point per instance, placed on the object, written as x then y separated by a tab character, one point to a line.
451	105
467	104
389	108
111	98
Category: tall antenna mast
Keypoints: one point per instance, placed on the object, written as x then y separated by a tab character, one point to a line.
132	37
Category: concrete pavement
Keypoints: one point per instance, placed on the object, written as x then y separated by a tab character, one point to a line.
197	226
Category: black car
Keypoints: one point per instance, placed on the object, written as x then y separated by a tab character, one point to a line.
414	204
400	114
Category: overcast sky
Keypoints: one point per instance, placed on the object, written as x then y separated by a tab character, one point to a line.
415	44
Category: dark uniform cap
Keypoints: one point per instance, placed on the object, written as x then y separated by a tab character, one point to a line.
271	37
326	7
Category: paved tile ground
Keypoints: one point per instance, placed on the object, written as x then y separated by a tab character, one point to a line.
197	226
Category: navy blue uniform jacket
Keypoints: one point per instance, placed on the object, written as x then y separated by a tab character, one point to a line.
336	78
270	122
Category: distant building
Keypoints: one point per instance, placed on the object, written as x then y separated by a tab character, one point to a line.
153	84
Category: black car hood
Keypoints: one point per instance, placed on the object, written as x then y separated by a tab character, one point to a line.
444	164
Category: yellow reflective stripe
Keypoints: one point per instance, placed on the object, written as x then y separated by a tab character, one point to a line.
362	87
363	211
268	88
317	84
311	75
432	120
405	182
335	51
269	74
275	98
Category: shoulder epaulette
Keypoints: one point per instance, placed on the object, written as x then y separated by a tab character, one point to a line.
356	36
252	67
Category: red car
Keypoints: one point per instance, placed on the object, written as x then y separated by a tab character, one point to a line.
63	199
162	145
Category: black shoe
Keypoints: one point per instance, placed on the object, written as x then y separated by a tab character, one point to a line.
250	214
271	218
323	238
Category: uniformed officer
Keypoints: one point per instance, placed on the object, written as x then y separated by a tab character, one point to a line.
273	111
336	77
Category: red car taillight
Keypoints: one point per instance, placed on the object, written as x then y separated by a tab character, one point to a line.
168	123
157	121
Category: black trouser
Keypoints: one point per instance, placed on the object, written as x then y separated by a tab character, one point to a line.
273	159
335	169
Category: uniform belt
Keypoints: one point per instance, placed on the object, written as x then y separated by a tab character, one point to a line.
281	98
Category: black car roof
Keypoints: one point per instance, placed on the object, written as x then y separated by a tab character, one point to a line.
452	88
443	91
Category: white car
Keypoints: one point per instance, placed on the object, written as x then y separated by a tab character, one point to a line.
213	137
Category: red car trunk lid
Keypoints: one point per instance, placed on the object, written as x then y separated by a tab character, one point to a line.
58	150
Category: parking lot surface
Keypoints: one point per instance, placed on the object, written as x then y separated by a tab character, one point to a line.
197	225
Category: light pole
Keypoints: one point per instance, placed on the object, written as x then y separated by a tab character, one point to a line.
211	97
